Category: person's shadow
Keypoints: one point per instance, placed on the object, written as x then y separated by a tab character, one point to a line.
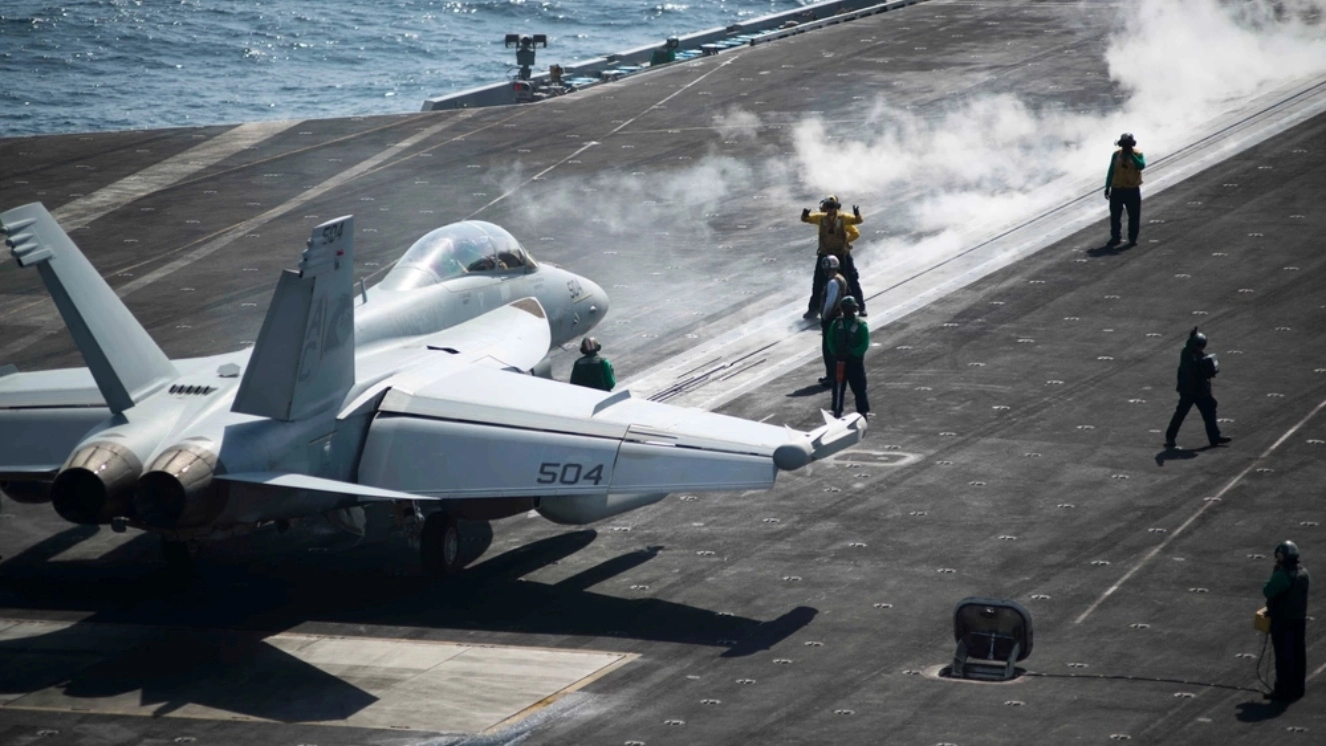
810	390
1256	712
1174	454
1108	250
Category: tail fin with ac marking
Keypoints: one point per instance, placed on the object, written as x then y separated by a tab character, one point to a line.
304	361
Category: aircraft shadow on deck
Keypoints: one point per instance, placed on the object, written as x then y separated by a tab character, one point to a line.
211	649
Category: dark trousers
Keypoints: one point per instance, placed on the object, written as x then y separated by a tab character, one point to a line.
1121	198
1206	404
1289	637
854	375
824	349
822	278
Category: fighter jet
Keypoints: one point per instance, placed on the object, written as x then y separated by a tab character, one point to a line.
429	391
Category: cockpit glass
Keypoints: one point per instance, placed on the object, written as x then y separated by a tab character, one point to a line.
471	247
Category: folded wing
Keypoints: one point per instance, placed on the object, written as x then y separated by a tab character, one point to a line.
482	433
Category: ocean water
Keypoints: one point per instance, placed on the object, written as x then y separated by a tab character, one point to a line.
98	65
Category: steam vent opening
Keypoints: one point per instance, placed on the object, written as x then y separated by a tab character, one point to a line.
993	635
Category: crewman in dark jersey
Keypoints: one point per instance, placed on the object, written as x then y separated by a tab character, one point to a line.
591	370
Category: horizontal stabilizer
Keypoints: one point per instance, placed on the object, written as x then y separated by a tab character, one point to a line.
303	482
28	472
37	440
126	364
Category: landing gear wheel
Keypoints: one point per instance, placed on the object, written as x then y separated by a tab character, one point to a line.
439	546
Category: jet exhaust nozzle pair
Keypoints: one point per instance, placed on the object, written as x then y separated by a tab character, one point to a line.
104	480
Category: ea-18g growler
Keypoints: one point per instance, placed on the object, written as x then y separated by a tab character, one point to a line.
429	390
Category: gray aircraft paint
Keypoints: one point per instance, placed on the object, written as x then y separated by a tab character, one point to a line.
426	397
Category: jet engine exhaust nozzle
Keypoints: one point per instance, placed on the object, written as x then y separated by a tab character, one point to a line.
96	484
177	490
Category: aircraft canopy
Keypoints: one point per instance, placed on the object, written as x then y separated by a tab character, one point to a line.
473	246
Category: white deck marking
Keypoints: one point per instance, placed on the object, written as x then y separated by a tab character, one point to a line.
387	267
158	176
535	177
1206	503
905	284
46	309
364	682
78	213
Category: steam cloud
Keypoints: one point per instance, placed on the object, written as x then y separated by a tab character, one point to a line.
986	161
996	160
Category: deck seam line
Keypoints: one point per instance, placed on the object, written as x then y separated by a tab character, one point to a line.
1206	503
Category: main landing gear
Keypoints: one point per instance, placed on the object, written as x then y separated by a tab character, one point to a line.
439	546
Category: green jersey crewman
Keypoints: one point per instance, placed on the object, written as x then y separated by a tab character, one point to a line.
666	53
1286	595
591	370
848	339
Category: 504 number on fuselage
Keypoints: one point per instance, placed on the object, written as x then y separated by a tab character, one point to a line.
552	472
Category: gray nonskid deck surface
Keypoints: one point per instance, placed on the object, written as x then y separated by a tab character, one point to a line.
1026	411
1035	402
620	209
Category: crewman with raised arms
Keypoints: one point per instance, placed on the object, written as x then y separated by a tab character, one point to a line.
837	231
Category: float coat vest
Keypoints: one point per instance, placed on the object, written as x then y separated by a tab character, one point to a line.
590	371
833	236
1126	175
847	337
1292	603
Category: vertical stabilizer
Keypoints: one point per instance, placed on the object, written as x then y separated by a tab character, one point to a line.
304	361
126	364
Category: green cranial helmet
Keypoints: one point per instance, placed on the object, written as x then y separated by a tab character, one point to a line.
849	303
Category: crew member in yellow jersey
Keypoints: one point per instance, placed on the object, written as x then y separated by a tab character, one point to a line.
1123	188
837	231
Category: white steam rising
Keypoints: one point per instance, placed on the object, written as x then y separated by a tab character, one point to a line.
935	181
995	160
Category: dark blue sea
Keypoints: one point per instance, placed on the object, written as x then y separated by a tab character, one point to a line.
97	65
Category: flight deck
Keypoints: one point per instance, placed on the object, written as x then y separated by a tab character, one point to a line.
1020	379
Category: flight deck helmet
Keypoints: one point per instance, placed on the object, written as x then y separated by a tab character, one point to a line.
1287	552
830	203
829	263
1197	340
849	304
589	346
1126	140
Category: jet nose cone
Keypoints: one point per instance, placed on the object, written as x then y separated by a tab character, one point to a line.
596	302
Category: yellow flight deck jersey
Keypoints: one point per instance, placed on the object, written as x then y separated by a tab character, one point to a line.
1125	173
837	235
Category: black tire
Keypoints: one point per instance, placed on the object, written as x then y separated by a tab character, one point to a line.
439	546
